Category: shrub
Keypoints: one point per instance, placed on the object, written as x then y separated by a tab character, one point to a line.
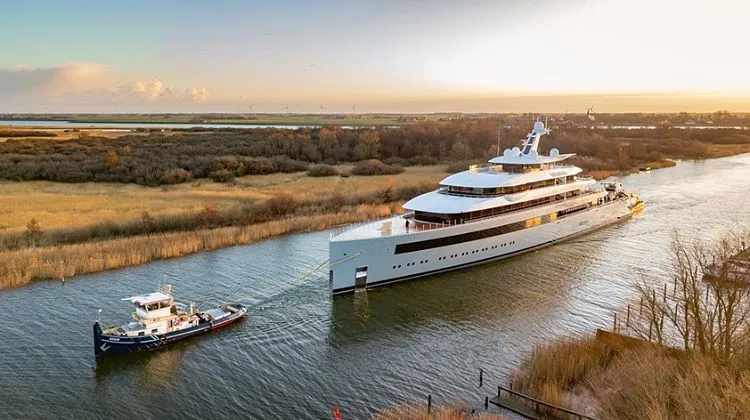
457	167
286	164
209	216
375	167
395	160
424	160
281	205
111	160
222	175
177	176
322	170
33	233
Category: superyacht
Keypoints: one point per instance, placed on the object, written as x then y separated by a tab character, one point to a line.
521	202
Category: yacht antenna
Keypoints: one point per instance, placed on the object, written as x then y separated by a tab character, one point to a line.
499	135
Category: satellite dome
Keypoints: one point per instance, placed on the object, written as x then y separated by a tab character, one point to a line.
538	126
507	153
554	152
516	150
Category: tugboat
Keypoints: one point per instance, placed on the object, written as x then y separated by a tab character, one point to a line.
158	320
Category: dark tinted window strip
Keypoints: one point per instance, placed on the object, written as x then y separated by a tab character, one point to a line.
482	234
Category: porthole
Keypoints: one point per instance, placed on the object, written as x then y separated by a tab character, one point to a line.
399	266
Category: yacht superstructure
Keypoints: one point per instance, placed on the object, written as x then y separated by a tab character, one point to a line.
522	201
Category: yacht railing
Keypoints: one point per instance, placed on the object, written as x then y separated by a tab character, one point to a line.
557	165
358	225
421	226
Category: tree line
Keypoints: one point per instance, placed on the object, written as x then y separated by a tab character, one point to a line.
181	155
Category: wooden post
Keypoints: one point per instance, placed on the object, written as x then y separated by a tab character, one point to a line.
627	320
486	402
481	377
614	324
429	403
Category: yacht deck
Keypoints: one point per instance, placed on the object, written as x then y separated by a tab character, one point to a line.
396	225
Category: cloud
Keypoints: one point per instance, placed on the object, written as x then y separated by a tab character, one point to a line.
155	90
90	82
70	77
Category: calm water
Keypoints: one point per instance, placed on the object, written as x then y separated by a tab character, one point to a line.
299	352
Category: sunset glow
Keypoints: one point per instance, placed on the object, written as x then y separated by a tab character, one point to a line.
665	55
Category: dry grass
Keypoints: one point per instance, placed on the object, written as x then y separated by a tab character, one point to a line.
75	218
59	205
24	266
555	370
419	412
62	134
628	382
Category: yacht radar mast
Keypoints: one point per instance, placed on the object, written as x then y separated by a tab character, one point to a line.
532	139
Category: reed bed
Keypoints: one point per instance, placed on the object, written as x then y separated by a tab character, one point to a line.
624	382
21	267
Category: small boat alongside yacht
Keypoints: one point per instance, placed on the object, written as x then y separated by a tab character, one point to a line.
158	320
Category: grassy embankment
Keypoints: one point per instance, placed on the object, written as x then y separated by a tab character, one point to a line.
705	375
613	380
91	227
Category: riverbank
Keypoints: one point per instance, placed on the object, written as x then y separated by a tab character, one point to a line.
616	379
682	353
55	230
21	267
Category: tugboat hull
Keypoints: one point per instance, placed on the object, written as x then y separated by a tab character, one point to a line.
105	344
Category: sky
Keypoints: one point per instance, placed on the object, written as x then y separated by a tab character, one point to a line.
374	56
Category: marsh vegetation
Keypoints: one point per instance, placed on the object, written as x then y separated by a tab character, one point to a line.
685	353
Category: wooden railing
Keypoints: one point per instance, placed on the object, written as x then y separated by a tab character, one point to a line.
539	403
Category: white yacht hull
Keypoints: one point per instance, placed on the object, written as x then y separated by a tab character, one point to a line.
374	261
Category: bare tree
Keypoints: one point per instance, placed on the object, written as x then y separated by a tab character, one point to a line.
707	307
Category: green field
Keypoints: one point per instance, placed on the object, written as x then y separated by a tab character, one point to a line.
260	119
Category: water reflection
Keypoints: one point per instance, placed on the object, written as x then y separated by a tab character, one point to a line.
153	369
485	295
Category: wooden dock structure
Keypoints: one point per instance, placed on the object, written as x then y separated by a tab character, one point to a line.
530	407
